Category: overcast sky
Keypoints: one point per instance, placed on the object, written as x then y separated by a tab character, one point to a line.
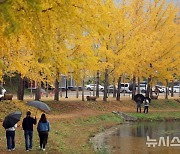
175	1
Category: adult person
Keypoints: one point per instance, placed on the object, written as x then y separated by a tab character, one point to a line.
138	103
146	105
156	91
27	125
43	128
10	136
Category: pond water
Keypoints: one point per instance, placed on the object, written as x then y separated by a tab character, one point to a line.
131	138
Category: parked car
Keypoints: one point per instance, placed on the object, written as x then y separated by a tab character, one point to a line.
111	88
62	88
125	87
142	86
161	89
176	89
93	86
42	91
2	92
74	88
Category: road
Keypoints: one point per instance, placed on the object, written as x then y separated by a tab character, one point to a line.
72	94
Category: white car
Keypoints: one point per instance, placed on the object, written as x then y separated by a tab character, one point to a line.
125	88
142	87
111	88
93	86
2	92
176	89
161	89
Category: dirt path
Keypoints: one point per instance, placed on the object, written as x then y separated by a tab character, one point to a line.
76	114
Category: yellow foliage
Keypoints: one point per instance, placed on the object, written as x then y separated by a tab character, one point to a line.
79	37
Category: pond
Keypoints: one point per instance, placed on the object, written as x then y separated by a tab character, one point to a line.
134	138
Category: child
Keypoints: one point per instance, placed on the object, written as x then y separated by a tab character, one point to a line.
146	105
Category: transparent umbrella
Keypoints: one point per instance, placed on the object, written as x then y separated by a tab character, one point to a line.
40	105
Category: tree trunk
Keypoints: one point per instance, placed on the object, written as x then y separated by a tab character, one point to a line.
31	95
77	91
138	86
166	96
0	90
47	89
66	80
134	87
97	85
114	88
148	87
172	89
61	92
11	85
151	94
94	87
83	90
124	91
119	89
56	95
20	92
106	86
114	91
38	92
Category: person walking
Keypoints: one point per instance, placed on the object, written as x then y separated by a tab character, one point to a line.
146	105
10	136
27	125
43	128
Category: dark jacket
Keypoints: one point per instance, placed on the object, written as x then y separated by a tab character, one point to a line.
28	122
43	126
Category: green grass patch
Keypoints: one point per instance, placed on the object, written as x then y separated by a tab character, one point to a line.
152	116
109	117
73	135
165	104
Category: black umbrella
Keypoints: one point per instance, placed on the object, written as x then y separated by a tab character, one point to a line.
139	96
40	105
11	119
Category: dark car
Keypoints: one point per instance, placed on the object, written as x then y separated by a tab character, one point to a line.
74	88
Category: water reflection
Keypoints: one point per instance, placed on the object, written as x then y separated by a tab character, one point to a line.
131	138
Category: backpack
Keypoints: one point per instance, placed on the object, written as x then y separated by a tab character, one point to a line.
146	102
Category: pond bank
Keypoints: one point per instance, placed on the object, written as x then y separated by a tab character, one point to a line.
77	132
99	141
157	116
131	137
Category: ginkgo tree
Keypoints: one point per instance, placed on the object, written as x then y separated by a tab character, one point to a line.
41	40
160	42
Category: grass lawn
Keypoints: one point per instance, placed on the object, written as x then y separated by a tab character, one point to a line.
160	110
157	116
